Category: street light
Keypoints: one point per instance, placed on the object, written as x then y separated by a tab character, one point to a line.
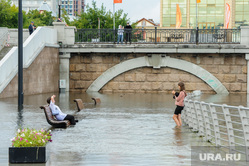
59	4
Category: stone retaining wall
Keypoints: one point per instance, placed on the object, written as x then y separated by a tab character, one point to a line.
42	76
230	69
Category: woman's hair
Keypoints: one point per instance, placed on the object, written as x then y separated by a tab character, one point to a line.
182	86
49	100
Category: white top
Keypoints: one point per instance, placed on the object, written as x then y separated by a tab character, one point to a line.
56	111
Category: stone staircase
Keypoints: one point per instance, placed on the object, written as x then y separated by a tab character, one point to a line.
4	51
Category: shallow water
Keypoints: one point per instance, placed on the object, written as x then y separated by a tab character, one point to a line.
124	129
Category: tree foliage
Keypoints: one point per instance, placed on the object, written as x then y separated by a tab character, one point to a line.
9	16
89	19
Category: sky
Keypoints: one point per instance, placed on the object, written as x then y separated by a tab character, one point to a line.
136	9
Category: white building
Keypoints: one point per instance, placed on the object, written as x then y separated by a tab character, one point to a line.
35	4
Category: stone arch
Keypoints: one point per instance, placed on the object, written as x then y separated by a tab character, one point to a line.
158	61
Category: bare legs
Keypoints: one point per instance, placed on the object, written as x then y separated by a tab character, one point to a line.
177	119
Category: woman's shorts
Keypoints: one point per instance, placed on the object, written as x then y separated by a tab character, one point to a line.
178	110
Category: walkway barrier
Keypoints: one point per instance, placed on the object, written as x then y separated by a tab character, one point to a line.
225	126
161	36
40	38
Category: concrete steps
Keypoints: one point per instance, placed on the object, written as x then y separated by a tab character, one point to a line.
4	51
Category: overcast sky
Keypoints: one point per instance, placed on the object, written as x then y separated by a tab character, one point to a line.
136	9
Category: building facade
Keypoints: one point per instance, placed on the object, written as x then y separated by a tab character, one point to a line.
73	7
210	14
28	5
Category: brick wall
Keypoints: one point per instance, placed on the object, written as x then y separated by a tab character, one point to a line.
230	69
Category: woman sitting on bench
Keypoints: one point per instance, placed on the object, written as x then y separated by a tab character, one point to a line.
58	113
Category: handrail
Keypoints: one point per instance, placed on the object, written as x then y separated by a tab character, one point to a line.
233	125
161	36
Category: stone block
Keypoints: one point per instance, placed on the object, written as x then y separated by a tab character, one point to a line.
97	59
157	71
174	77
244	87
219	60
241	78
147	70
71	84
235	87
189	87
168	86
135	86
185	77
151	77
72	67
224	69
119	78
229	60
80	84
195	79
75	76
236	70
130	77
124	85
167	70
80	67
87	59
156	85
229	78
146	86
113	85
207	60
163	77
75	60
244	69
104	67
220	77
140	77
91	68
240	61
107	59
86	76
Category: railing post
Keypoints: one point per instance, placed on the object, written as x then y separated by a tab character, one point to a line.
245	127
155	35
186	112
229	126
114	36
199	118
206	121
215	124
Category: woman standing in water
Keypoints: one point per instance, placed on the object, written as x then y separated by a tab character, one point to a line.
179	103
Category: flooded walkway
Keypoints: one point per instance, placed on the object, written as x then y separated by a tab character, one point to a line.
125	129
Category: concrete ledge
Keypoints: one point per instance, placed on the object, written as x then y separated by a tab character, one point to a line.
152	48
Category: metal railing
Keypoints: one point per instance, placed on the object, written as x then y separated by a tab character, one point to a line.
161	36
226	126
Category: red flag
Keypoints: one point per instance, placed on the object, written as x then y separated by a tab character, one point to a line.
198	1
178	16
117	1
228	15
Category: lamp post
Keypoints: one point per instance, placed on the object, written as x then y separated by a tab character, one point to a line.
20	57
59	4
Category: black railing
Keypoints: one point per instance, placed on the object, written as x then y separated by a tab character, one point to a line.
161	36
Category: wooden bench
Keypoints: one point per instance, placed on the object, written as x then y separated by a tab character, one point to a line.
79	104
96	100
52	120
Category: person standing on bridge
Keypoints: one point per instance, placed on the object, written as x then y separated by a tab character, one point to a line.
120	34
179	102
128	30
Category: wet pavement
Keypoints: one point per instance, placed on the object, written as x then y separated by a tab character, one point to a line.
124	129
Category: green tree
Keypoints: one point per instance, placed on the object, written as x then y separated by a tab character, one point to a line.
9	14
89	19
40	19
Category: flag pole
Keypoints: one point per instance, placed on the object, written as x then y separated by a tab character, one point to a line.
113	15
